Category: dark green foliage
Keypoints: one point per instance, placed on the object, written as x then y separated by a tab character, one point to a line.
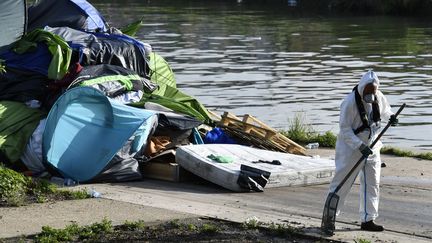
302	133
17	189
131	226
209	229
13	187
75	232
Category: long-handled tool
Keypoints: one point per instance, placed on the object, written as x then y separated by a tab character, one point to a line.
332	201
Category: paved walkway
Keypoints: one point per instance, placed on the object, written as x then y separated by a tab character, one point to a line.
405	187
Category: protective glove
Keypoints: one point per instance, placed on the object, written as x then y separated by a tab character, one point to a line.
393	120
365	150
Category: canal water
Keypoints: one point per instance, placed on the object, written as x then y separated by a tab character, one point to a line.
278	63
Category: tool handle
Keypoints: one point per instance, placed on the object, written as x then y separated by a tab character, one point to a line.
364	157
388	125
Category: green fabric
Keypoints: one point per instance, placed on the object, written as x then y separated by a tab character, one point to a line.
125	80
17	124
59	49
178	101
132	28
221	158
167	93
161	73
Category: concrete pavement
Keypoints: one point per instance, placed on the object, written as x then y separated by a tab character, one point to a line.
405	205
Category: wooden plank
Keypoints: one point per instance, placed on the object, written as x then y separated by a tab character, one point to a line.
253	126
214	116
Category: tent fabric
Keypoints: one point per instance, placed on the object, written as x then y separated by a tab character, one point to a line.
59	50
161	73
178	101
13	18
95	49
36	61
112	80
167	93
32	155
85	129
17	123
22	85
76	14
168	119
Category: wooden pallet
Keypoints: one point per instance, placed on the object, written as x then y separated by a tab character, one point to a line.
251	125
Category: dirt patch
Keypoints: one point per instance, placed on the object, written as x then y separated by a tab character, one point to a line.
184	230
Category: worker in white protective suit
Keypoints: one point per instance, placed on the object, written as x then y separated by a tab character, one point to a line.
355	136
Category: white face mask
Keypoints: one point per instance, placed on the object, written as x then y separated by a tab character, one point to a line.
369	98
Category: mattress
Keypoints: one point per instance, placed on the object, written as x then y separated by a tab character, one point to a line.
288	170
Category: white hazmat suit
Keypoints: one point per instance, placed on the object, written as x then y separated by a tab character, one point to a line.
348	153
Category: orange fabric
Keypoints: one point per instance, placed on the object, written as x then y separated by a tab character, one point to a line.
157	144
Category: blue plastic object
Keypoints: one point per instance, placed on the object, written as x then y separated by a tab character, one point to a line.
85	129
217	135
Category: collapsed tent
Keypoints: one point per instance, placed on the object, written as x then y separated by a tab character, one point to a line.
94	48
12	16
17	122
167	93
113	81
77	14
85	130
112	102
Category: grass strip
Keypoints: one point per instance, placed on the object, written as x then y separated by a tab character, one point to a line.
17	189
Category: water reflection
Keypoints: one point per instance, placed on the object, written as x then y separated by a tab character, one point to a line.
273	63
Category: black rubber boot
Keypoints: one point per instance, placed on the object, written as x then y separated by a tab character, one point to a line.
371	226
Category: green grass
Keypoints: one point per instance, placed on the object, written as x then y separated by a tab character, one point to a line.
190	230
17	189
283	229
404	153
301	132
13	187
251	223
137	225
360	240
209	229
75	232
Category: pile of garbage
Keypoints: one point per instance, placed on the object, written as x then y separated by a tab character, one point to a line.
83	100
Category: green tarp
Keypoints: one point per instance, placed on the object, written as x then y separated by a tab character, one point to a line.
161	73
167	93
17	123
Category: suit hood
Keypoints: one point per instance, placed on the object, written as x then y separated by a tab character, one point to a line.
367	78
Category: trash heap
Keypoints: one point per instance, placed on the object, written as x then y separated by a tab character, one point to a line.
88	102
